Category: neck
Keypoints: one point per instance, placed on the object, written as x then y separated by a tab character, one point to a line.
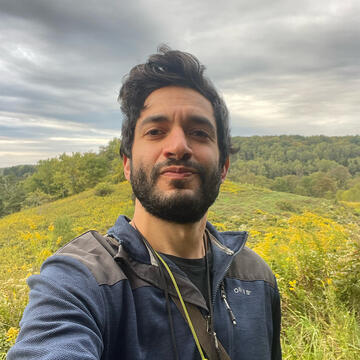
182	240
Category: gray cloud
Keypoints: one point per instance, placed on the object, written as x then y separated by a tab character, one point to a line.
283	68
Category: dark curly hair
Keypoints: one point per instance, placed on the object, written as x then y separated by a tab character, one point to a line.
169	68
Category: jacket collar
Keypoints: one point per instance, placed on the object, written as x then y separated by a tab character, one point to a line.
129	239
224	247
224	244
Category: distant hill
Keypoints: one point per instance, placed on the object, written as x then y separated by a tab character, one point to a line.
316	166
18	171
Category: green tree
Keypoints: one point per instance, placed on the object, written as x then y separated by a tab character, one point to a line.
325	165
15	200
321	185
43	178
2	208
287	183
354	166
112	150
352	194
340	174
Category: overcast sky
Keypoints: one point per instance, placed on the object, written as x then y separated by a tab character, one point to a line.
283	67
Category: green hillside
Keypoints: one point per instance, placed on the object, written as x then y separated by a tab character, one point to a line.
312	245
316	166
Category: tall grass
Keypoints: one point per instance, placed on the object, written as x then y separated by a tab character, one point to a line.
312	247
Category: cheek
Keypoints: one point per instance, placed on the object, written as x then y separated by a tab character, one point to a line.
145	152
209	156
141	164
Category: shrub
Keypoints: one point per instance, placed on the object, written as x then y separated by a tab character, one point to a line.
36	198
103	189
287	206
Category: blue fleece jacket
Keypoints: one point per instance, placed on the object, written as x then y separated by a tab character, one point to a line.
102	298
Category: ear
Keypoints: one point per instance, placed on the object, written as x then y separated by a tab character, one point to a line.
225	170
127	167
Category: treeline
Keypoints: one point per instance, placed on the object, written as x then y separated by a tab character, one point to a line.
27	186
317	166
11	191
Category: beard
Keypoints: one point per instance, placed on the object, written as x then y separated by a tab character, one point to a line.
177	207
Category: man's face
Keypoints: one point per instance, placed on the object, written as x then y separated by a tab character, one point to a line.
174	170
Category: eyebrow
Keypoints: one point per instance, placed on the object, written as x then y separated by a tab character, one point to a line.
196	119
201	120
153	119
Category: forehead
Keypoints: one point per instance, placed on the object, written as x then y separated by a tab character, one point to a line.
173	100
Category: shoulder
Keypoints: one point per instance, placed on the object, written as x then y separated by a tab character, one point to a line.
249	266
97	253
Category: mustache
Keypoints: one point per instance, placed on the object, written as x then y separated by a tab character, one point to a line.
155	172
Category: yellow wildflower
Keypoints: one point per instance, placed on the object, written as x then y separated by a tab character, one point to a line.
11	335
260	212
59	240
292	285
219	226
329	281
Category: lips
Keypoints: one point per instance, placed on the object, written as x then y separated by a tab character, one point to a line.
177	171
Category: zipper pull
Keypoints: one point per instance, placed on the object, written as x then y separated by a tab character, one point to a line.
208	327
216	341
223	296
213	333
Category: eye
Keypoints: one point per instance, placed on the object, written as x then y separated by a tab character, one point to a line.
154	132
199	133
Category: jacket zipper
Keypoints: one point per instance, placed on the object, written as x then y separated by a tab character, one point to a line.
223	296
226	270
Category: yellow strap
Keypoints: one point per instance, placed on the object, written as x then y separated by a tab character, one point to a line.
183	306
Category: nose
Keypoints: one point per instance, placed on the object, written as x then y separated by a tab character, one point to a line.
177	145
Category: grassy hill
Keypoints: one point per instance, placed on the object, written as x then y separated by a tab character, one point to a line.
311	244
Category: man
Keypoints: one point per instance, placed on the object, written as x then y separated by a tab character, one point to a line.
166	284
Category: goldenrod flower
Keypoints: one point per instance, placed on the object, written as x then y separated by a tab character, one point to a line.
11	335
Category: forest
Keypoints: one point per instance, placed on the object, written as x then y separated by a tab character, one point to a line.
316	166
